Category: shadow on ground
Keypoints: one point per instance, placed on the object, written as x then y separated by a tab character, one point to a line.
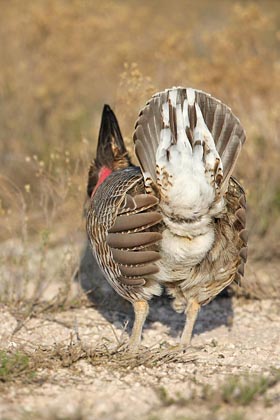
115	309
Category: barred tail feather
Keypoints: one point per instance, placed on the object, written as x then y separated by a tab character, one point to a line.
188	123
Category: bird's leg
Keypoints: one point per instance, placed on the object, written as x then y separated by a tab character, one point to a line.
141	309
191	313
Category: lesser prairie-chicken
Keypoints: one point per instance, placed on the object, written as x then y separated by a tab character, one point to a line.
178	220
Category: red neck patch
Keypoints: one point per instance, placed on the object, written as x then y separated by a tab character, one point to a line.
102	175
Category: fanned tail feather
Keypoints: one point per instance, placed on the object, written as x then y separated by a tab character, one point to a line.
185	136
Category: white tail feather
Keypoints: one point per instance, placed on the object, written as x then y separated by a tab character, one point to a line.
196	140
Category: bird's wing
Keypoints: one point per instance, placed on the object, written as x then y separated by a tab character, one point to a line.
120	228
236	200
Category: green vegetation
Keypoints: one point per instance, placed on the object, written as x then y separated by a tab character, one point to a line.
242	391
14	366
236	390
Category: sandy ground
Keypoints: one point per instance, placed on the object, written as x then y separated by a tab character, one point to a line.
232	337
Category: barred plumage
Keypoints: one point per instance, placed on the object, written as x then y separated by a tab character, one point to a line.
178	221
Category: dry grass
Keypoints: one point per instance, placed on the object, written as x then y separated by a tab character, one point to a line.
23	366
51	95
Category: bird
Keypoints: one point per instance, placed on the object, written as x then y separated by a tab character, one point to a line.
177	220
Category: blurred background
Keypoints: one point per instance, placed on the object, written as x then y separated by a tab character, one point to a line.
61	60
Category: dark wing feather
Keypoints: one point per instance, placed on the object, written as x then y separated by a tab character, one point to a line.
119	228
237	199
135	222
